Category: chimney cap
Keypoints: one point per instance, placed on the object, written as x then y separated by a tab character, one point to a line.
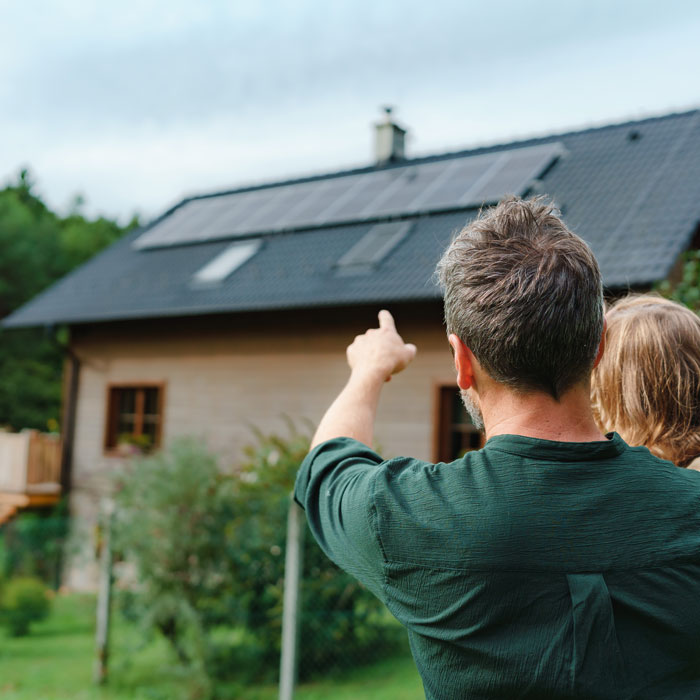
389	139
388	112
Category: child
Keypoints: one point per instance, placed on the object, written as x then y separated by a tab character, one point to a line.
647	384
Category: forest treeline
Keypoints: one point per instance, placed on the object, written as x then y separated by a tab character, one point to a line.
38	247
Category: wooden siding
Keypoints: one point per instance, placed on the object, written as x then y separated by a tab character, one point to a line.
224	376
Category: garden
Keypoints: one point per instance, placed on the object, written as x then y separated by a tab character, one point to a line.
199	615
55	662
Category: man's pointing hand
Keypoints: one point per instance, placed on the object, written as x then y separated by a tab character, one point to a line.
373	357
380	352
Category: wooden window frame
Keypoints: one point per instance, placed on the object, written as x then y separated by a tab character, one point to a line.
441	425
112	450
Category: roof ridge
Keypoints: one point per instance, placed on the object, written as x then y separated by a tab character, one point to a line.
447	155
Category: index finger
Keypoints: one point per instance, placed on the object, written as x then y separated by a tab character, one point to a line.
386	320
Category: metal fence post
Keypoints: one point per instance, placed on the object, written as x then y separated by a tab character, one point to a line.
290	616
104	595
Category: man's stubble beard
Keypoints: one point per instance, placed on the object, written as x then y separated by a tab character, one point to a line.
472	409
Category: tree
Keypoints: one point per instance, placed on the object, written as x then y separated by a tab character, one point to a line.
38	247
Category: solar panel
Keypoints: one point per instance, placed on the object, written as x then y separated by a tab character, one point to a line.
345	188
257	200
312	198
411	184
460	182
180	226
369	188
445	175
237	208
270	210
514	175
463	176
494	167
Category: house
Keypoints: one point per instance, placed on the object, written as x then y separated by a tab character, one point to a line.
233	309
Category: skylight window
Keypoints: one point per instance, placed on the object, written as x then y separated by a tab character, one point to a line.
227	262
372	248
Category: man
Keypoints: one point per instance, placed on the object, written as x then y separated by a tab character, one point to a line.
552	563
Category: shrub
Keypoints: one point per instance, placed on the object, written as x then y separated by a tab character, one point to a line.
209	552
342	624
172	509
24	601
31	544
687	289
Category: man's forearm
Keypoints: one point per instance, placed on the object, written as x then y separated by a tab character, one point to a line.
353	412
373	357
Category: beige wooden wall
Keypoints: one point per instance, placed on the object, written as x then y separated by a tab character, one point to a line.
224	375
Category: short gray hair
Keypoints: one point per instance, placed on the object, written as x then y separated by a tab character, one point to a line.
525	295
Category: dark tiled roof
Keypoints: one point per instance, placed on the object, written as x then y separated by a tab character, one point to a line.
631	190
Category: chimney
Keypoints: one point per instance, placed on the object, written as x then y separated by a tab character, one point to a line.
388	140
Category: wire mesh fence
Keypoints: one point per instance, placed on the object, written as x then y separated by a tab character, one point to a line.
225	631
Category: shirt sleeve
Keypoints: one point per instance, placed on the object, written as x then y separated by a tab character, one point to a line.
335	486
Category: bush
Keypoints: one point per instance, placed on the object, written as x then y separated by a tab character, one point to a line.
172	510
687	288
342	624
209	551
31	544
24	601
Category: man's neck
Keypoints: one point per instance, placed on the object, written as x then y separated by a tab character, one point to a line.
538	415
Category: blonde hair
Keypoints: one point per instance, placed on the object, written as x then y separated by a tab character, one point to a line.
647	384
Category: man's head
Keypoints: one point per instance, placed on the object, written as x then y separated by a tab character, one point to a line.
524	294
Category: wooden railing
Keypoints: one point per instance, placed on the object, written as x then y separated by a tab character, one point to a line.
30	462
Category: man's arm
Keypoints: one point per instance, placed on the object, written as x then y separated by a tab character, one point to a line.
373	357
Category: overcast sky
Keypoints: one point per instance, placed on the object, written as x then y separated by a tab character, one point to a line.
134	104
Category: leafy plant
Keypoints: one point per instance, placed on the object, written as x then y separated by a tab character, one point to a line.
171	515
341	622
209	551
24	601
31	544
130	444
687	289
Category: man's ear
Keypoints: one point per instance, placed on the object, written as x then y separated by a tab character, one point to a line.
601	347
463	362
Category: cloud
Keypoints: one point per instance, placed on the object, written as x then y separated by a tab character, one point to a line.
133	104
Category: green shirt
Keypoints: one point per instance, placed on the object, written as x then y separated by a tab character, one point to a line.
526	569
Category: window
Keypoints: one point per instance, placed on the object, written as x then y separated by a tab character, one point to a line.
134	417
372	248
218	269
455	432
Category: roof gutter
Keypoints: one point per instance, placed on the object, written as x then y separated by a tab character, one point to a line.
70	402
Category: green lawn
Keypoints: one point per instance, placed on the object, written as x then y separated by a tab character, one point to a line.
55	663
392	679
